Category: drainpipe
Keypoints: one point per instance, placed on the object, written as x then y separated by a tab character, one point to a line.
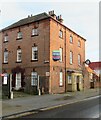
65	58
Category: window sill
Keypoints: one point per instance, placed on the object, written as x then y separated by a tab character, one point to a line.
18	61
18	38
60	37
61	61
60	85
34	60
34	35
5	42
5	63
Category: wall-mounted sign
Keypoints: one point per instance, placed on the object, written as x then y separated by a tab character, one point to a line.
47	74
56	55
5	79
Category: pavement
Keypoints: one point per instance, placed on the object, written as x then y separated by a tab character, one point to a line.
16	107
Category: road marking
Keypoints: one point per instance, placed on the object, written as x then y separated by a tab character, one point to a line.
48	108
56	106
20	115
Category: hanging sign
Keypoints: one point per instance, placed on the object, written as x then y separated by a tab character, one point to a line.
56	55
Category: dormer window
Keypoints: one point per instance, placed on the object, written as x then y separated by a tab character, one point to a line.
34	32
6	38
19	36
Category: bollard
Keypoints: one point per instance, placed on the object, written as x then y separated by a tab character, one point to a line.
11	94
39	92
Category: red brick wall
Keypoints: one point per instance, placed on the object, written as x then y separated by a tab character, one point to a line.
26	43
56	66
55	43
75	49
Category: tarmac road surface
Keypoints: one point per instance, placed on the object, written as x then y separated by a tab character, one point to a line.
90	108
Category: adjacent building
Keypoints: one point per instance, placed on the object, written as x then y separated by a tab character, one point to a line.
90	78
96	66
41	52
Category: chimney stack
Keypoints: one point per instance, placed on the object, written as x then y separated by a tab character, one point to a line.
59	18
51	13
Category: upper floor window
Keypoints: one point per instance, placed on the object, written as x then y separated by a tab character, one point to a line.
6	38
79	59
71	39
79	43
71	57
19	36
34	53
19	54
6	56
34	31
61	34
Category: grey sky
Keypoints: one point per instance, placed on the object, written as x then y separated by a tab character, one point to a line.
82	17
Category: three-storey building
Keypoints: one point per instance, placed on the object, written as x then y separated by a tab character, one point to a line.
41	46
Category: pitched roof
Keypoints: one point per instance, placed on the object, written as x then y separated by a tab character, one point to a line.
36	18
28	20
95	65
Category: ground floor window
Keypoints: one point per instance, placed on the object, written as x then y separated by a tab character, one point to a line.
69	79
18	80
61	79
34	79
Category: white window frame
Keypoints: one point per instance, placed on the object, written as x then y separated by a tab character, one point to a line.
34	53
5	56
19	35
18	81
71	39
34	31
61	79
34	79
61	34
19	55
69	79
79	43
79	59
61	54
71	57
5	38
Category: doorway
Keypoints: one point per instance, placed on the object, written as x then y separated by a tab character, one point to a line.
78	87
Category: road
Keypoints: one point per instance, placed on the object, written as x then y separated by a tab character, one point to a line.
89	108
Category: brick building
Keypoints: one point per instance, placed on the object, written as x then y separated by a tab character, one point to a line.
96	66
41	46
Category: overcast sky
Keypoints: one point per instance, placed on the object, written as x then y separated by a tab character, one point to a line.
81	17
